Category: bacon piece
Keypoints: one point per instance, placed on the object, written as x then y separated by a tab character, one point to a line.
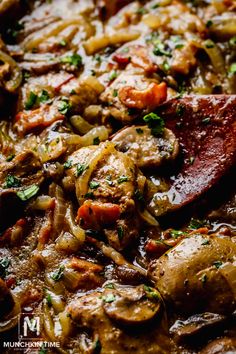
206	129
138	56
39	118
149	99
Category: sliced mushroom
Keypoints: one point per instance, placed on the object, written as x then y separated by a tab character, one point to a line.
9	308
195	325
130	306
146	150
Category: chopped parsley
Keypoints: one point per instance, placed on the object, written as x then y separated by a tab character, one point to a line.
94	185
64	106
44	96
63	43
151	293
159	50
139	196
206	120
10	157
4	264
110	286
122	179
196	224
232	41
141	11
58	275
217	264
80	168
232	68
115	93
48	300
155	123
113	76
67	164
32	99
120	232
177	233
74	60
12	182
205	242
96	141
109	298
89	195
28	193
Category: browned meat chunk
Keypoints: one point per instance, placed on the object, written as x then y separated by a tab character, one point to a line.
105	182
191	276
144	148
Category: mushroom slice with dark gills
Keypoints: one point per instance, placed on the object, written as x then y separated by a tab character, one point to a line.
116	317
105	182
10	308
198	275
146	149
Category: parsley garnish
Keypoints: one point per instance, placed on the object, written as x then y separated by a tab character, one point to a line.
151	293
120	232
155	123
12	182
58	275
64	106
196	224
32	99
80	168
159	50
94	185
122	179
74	60
10	157
232	68
109	298
113	76
4	264
44	96
67	164
217	264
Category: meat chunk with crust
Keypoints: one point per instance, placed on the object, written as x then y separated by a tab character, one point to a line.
191	276
105	182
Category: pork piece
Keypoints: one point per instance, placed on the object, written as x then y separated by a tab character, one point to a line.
191	276
206	128
114	316
105	182
146	150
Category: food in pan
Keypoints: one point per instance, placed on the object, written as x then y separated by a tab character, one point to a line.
117	175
